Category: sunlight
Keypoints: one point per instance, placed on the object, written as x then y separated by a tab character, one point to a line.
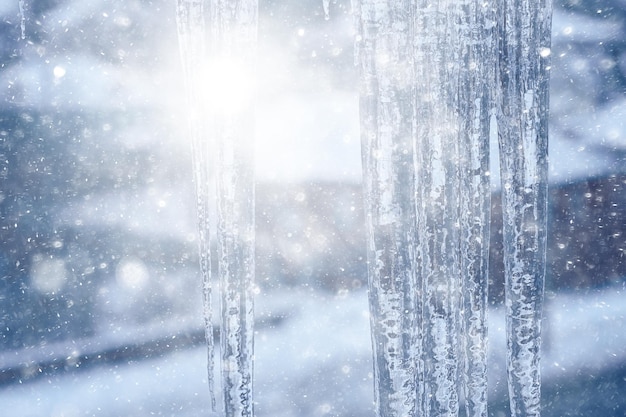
228	86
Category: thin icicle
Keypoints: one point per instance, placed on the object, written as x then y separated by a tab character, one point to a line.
22	5
475	106
326	6
232	65
191	36
523	136
386	130
355	6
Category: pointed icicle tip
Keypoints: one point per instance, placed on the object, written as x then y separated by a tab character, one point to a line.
326	5
22	19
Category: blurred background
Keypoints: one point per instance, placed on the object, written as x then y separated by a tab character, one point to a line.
100	288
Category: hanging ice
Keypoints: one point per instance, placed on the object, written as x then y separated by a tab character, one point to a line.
326	6
427	71
191	36
437	145
386	105
476	104
220	87
454	61
523	133
232	65
21	5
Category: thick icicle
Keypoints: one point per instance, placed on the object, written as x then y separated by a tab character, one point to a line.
386	108
523	135
437	151
232	67
427	75
21	6
476	102
191	36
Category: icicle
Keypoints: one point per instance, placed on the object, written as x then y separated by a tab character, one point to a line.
232	66
326	6
427	72
22	18
222	85
386	131
475	105
438	157
191	36
523	132
356	20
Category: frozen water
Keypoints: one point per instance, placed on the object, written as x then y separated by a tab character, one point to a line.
214	83
523	139
232	62
387	152
438	157
429	73
326	6
477	103
22	18
572	163
425	128
191	36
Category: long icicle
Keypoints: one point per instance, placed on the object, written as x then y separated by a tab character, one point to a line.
437	151
232	64
192	35
386	112
475	105
524	34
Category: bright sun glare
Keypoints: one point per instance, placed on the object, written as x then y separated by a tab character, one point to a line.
228	86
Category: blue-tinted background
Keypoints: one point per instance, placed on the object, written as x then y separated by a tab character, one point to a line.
99	289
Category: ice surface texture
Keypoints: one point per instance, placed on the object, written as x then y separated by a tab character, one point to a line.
234	31
387	151
524	34
428	93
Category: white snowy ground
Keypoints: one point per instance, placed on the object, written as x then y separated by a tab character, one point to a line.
316	363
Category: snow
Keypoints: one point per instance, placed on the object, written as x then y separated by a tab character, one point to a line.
571	26
154	212
317	362
607	130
